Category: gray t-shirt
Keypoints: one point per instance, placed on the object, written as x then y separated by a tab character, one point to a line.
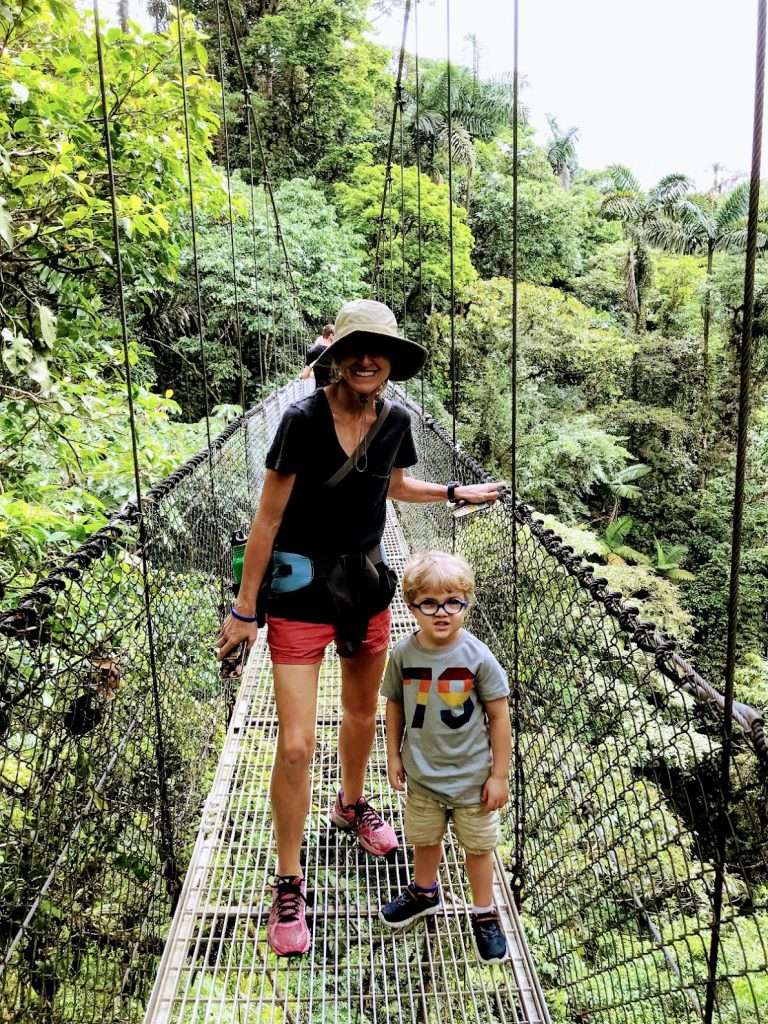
446	750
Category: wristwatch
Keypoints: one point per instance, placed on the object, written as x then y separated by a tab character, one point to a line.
452	489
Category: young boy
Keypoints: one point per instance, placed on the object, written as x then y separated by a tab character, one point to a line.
448	733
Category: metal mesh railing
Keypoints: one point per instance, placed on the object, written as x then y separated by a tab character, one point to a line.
610	835
611	831
101	783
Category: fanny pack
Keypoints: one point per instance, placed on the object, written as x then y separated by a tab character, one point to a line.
291	572
355	584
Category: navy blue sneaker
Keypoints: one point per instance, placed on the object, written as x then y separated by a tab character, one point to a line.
410	905
489	938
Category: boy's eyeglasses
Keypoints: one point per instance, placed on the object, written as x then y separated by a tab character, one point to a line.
453	606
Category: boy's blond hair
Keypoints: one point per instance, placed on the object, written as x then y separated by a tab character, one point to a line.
437	572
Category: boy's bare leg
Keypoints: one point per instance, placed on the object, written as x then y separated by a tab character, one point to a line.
296	699
480	875
426	861
360	680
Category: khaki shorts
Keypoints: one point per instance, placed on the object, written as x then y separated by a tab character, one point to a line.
476	830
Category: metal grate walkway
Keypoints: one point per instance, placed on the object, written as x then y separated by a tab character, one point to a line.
217	967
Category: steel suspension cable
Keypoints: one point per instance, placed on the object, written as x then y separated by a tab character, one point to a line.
390	147
390	243
238	326
168	852
193	226
745	374
271	275
454	385
519	851
418	175
401	105
267	181
254	248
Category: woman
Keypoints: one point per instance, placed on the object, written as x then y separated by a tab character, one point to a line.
337	455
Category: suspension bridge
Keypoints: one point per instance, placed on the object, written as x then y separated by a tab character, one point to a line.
135	837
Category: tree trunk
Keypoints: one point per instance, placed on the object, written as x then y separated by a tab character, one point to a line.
122	14
707	309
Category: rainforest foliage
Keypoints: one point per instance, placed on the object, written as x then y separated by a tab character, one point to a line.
630	300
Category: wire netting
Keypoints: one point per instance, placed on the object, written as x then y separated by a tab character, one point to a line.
611	831
609	836
100	783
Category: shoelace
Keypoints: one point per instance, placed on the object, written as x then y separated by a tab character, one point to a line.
488	926
410	895
289	897
365	815
405	897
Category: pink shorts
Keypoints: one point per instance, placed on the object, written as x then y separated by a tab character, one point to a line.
304	643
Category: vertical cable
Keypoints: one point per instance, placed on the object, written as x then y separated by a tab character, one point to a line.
193	225
390	242
238	326
404	324
454	386
292	290
745	374
168	853
388	173
271	271
418	180
519	852
253	243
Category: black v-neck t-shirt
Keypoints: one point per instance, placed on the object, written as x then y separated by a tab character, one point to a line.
351	516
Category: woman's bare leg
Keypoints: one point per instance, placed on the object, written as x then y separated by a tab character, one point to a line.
360	681
296	700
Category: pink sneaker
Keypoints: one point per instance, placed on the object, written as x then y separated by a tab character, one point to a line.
287	931
373	833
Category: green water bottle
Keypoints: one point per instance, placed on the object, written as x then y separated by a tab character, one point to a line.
239	540
232	663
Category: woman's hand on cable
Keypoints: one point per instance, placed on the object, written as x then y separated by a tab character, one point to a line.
232	633
475	494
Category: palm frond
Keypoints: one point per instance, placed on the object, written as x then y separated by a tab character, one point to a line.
733	241
622	205
636	472
616	533
622	179
664	233
670	188
733	208
462	150
625	490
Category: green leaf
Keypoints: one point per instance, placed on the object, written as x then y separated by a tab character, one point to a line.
6	230
38	371
48	321
20	91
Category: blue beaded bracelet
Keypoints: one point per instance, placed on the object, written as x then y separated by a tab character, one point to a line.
244	618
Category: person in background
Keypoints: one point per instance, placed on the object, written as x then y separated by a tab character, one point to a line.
322	374
449	736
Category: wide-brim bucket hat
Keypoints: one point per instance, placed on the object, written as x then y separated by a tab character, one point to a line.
367	319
